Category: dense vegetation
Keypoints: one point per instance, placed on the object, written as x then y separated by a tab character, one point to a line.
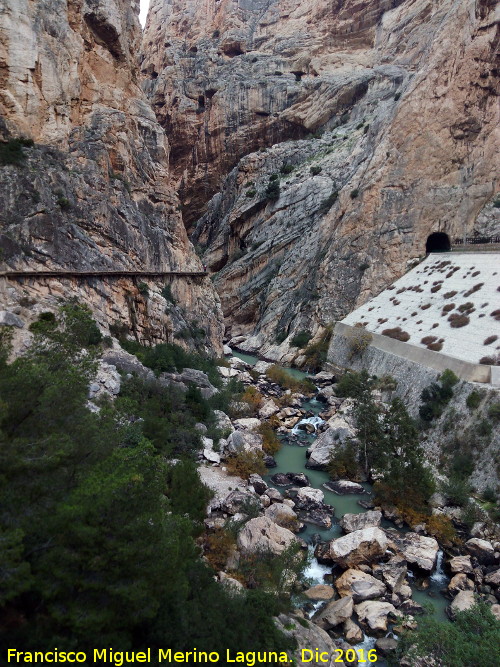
387	447
473	639
97	529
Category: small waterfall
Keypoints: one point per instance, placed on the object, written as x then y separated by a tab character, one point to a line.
438	576
315	421
314	571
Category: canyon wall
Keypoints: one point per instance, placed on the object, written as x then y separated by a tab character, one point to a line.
378	118
94	191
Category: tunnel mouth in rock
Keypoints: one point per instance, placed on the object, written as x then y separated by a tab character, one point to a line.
438	242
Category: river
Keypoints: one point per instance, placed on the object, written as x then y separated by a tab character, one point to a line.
292	458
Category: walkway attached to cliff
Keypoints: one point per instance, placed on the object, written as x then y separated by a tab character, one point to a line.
101	274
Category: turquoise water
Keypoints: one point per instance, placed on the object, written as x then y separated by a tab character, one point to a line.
250	359
292	458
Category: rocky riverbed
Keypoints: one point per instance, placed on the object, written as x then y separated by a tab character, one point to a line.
367	569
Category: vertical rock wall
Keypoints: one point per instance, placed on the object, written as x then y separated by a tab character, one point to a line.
400	100
95	191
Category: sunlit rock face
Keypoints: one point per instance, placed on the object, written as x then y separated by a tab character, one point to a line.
403	100
95	192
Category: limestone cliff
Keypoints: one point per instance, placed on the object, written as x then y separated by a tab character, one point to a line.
94	192
382	116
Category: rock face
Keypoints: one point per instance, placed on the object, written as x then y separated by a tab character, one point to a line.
94	192
378	79
361	546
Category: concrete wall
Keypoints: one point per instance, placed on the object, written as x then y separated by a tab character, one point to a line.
398	354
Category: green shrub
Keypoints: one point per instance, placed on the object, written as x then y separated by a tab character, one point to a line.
483	428
167	294
250	193
327	203
271	444
143	289
354	193
279	376
490	495
344	463
11	151
437	395
315	353
494	412
473	639
301	339
245	464
287	168
397	96
353	385
272	192
315	170
280	336
473	400
457	491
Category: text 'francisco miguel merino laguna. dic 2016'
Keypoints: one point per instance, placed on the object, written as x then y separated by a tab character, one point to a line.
156	656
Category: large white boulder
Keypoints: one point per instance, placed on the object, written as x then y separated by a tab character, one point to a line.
352	522
308	493
262	534
418	550
360	546
359	585
325	445
334	613
374	614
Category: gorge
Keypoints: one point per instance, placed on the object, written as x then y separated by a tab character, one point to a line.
187	212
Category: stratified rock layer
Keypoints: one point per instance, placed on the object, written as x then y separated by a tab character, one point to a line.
94	193
406	95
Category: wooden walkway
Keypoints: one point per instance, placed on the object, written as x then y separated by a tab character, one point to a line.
100	274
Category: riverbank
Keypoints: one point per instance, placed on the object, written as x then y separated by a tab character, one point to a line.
386	572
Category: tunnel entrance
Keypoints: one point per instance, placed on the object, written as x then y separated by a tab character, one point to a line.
438	242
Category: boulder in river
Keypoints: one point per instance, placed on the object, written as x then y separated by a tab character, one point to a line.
361	546
283	515
352	632
352	522
262	534
463	601
281	479
258	483
343	487
374	614
310	494
393	573
269	461
461	564
322	553
325	445
481	549
418	550
334	613
320	592
359	585
460	582
298	478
